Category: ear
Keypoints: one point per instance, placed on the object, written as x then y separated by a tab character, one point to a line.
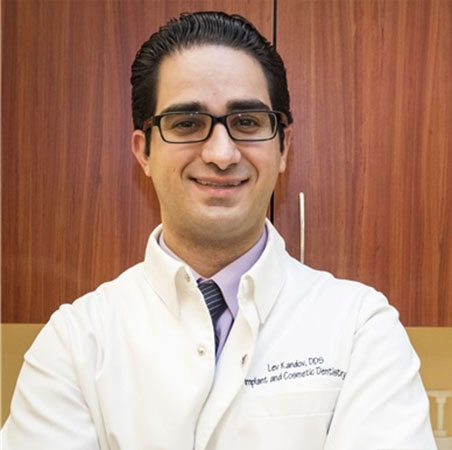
286	144
139	150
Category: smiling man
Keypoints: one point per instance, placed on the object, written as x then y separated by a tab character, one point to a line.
213	182
219	339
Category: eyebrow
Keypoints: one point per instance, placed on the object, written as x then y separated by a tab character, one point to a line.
232	105
246	104
183	107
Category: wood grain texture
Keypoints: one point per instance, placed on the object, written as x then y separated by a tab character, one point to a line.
372	99
76	208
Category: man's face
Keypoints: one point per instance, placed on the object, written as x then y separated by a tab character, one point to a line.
218	189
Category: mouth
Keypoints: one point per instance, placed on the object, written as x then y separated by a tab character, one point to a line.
219	184
220	188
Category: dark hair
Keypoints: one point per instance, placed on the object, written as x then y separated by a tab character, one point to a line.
203	28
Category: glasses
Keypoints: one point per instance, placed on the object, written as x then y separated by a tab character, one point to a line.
191	127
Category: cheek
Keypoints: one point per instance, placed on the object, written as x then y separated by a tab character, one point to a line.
273	164
167	166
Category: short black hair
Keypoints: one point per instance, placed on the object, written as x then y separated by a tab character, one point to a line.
204	28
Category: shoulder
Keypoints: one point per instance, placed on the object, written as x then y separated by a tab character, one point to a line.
320	291
91	313
348	298
108	294
325	282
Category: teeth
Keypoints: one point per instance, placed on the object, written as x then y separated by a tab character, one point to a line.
208	183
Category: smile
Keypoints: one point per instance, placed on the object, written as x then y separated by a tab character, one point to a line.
219	185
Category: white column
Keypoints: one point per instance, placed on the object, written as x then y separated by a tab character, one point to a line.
440	399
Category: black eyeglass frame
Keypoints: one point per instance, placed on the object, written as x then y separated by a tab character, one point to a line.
280	120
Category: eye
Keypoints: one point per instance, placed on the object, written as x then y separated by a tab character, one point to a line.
186	124
246	123
183	124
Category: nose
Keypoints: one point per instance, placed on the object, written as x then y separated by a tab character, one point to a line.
220	149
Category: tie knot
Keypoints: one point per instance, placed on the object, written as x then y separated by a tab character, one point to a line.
213	297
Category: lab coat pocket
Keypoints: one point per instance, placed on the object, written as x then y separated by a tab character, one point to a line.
291	420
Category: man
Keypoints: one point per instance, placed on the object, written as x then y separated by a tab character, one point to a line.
219	339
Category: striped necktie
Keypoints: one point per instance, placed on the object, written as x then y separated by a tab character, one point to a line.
214	301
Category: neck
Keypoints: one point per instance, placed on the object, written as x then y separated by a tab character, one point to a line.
207	257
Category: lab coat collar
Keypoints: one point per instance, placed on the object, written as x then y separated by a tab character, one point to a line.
265	279
167	276
261	284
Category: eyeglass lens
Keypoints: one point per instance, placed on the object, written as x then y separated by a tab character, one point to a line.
192	127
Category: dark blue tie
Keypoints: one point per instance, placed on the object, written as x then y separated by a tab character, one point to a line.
214	301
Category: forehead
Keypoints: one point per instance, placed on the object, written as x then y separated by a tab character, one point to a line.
211	75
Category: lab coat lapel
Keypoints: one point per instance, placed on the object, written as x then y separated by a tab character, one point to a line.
259	289
231	370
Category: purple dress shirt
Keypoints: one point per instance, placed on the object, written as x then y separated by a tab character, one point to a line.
228	280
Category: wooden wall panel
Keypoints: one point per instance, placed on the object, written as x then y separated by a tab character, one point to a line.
372	99
76	208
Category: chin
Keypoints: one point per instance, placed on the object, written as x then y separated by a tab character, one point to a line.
219	216
236	224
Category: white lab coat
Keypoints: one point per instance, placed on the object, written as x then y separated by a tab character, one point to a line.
311	363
